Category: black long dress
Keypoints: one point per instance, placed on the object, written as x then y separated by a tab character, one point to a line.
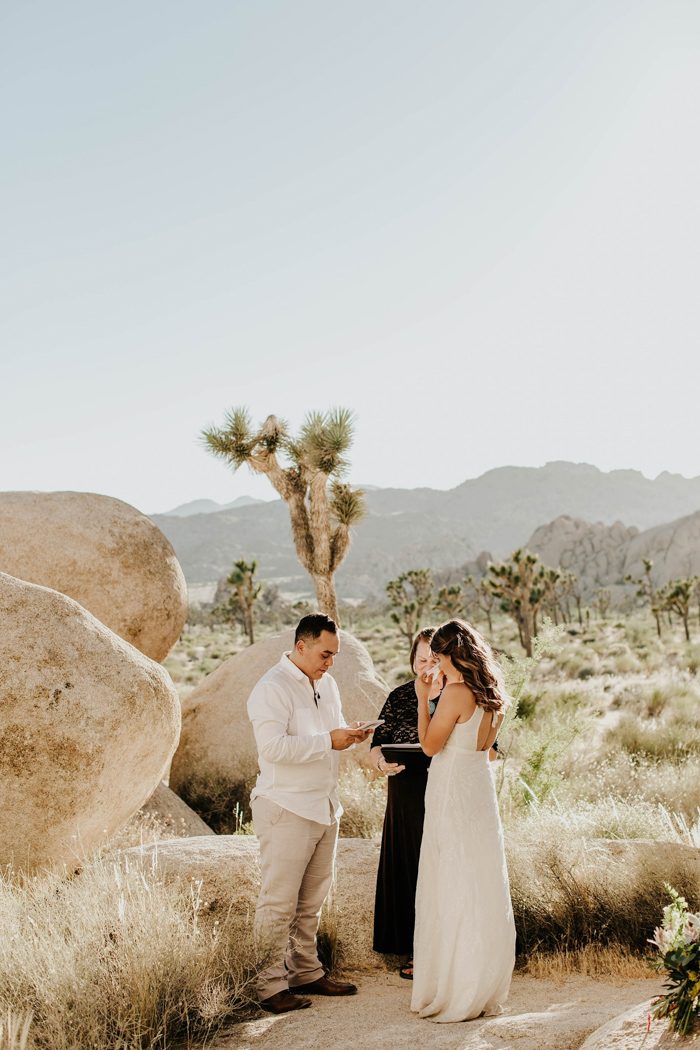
394	906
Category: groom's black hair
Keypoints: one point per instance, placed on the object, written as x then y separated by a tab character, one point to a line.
311	626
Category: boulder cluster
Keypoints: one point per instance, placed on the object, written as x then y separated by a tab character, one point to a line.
91	598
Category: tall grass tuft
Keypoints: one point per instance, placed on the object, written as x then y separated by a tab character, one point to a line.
117	957
14	1030
363	798
566	899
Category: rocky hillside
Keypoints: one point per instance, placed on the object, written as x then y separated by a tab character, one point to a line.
602	555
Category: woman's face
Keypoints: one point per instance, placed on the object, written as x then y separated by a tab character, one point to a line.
424	658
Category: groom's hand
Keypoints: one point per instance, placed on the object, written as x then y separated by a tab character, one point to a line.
341	739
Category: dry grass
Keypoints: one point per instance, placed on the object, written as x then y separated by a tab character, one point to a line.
363	797
569	895
14	1030
221	802
609	817
116	957
613	960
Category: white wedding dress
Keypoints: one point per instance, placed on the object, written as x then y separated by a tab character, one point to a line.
464	941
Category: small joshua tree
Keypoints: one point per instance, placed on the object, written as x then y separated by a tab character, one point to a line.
648	592
571	588
410	594
449	602
245	592
306	471
520	586
677	596
601	600
480	599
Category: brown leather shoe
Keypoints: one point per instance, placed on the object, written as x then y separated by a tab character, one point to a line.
281	1002
324	986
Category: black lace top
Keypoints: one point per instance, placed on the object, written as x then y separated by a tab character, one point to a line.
400	714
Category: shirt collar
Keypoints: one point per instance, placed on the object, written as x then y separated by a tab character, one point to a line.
292	668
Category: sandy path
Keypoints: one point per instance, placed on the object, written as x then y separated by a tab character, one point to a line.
541	1015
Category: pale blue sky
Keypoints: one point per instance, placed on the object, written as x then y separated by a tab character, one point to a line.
477	224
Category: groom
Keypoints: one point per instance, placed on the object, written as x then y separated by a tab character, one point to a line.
299	731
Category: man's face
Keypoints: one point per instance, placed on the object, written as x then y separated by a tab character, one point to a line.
314	656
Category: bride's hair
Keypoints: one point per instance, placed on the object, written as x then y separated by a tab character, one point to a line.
473	657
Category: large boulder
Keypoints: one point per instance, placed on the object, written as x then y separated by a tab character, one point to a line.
217	754
634	1029
228	867
104	554
172	817
87	727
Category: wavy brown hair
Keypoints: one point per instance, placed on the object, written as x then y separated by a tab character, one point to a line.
473	657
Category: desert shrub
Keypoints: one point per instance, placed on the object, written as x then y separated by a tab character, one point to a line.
603	818
222	803
565	899
117	957
673	739
676	786
363	798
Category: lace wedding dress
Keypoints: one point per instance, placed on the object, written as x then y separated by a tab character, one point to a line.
464	945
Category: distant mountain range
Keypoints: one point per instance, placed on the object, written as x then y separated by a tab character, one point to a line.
407	528
208	506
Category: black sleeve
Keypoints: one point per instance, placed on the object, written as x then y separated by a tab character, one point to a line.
385	734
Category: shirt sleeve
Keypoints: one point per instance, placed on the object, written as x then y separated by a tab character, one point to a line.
269	713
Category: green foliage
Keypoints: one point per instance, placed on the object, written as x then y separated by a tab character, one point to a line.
449	603
520	584
678	941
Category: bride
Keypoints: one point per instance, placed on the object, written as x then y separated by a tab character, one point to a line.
464	945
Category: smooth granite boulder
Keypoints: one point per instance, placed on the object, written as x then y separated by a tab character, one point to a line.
217	746
87	727
103	553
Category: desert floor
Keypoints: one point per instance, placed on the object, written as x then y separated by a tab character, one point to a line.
541	1014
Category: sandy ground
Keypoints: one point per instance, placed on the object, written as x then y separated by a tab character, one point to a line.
540	1015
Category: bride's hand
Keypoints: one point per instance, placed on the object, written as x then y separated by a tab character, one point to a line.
424	685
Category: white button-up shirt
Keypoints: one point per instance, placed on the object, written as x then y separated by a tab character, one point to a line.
298	767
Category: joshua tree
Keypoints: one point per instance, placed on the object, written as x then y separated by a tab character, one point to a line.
244	594
602	599
677	596
410	594
647	591
322	508
449	602
552	582
520	586
571	588
480	597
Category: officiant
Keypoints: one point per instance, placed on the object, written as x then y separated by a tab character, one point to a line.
394	906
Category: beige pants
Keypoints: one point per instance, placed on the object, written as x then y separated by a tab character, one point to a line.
296	860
